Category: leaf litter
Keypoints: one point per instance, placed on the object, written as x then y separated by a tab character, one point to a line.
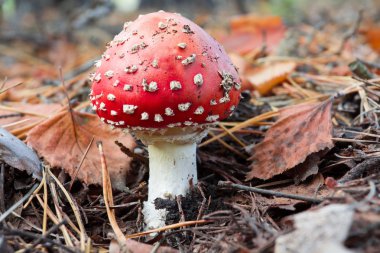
332	161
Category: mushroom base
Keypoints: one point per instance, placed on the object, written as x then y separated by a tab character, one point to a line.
172	168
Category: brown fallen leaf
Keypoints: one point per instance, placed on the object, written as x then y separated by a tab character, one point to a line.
312	188
263	79
63	145
291	140
25	114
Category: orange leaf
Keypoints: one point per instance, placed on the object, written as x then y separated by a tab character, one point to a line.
63	145
252	32
292	139
267	77
372	35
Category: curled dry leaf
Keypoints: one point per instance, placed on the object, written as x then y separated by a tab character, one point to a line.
16	154
292	139
63	144
265	78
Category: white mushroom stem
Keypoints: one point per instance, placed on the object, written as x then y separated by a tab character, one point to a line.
172	167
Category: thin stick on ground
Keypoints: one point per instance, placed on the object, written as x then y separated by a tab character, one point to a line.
269	192
108	201
173	226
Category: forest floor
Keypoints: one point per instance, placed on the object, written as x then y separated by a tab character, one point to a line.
294	169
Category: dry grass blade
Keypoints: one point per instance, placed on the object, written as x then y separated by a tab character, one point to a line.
58	211
247	123
108	201
44	219
75	209
173	226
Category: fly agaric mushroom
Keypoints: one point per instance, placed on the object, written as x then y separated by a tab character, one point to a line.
166	80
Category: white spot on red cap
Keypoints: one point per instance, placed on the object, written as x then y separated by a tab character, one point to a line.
175	85
174	125
212	118
116	83
199	110
113	113
109	74
98	63
188	123
189	60
224	99
94	107
144	116
184	107
151	87
97	78
182	45
111	97
102	106
186	29
129	109
106	57
169	111
127	87
131	69
158	118
162	25
155	63
213	102
198	80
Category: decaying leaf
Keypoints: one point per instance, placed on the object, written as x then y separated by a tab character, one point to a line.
292	139
16	154
322	230
63	144
265	78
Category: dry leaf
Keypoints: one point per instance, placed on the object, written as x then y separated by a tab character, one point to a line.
253	32
9	117
62	145
265	78
312	188
323	230
16	154
372	35
291	140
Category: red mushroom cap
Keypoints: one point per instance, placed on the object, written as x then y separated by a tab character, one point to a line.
162	70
